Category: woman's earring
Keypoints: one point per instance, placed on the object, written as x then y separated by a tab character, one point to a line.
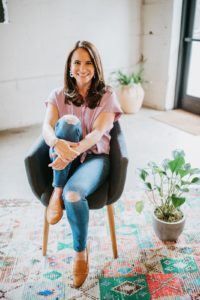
70	73
94	76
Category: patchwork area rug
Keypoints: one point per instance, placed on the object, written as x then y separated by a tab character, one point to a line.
146	268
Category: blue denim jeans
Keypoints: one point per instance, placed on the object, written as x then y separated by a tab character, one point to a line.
81	179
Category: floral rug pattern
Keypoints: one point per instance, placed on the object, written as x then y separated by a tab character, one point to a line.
145	269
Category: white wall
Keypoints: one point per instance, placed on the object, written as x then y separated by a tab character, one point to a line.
161	21
41	32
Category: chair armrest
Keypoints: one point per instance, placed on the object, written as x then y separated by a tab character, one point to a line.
119	163
36	164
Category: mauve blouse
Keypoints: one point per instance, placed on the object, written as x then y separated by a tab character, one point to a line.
87	116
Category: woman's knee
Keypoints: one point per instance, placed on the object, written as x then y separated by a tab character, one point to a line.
72	196
69	128
72	192
70	119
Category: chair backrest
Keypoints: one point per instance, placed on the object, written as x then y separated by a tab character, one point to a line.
36	164
40	175
119	163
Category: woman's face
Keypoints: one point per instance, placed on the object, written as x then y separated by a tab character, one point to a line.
82	68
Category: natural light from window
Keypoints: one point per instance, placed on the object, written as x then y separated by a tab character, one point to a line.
193	86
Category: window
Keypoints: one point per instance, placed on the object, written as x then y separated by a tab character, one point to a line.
188	88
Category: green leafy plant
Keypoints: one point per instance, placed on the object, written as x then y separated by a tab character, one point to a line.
121	78
124	79
166	185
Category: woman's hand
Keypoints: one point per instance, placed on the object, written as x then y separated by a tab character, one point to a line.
66	150
58	164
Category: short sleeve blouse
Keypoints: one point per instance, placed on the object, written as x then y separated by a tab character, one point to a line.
87	116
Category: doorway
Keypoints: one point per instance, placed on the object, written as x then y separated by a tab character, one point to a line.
188	75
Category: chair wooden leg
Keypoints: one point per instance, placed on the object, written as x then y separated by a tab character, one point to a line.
111	220
45	234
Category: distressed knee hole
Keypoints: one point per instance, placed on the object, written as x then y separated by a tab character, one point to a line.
70	119
72	196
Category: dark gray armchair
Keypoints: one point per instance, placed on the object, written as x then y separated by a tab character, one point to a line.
40	179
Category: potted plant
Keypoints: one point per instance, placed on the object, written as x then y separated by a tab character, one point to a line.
167	185
129	90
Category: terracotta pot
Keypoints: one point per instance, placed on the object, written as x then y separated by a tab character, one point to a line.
131	98
168	231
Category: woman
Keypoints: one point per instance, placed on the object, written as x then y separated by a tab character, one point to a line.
77	123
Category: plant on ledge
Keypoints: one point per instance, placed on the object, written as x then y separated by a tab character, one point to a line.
123	79
167	185
129	88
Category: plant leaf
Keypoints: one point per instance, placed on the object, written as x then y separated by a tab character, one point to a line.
187	166
149	186
194	171
165	164
196	180
183	173
185	190
182	189
183	182
178	153
177	201
158	188
176	164
143	174
139	206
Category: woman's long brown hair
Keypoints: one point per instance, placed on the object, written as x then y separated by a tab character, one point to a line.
97	88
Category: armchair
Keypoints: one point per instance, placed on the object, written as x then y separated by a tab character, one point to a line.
40	180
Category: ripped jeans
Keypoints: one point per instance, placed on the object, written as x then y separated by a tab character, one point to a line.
78	180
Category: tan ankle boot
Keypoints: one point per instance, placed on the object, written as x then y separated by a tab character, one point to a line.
54	210
80	270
